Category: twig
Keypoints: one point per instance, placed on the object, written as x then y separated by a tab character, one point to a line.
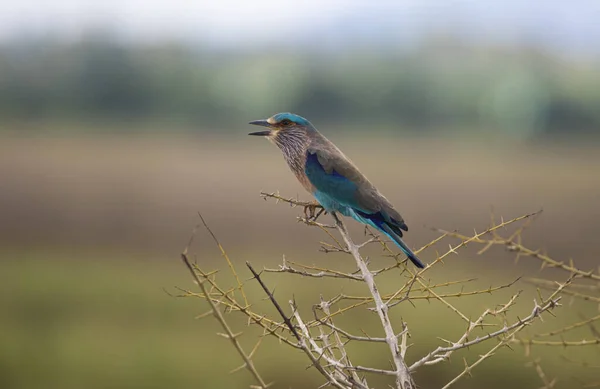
301	341
248	364
321	273
468	368
224	254
338	367
513	244
548	383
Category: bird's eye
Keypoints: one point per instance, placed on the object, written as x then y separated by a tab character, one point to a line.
285	122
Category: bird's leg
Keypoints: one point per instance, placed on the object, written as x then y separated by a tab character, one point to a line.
319	214
310	210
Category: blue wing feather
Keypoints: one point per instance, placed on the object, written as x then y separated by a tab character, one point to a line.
333	185
338	193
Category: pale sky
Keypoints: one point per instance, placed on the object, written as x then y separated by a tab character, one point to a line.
571	23
146	19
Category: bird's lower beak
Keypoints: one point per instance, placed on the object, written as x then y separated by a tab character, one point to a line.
262	123
261	133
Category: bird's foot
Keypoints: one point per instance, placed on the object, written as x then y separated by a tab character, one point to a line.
321	211
310	211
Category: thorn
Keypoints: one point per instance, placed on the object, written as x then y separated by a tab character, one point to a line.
205	314
243	366
232	336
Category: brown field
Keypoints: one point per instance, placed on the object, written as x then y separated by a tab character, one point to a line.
143	192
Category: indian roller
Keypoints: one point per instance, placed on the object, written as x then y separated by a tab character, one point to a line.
335	182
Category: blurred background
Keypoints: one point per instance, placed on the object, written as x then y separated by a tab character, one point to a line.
120	120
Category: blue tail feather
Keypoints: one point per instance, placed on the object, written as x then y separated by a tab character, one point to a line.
392	232
393	236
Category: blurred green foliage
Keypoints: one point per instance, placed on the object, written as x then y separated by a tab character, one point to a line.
106	322
439	83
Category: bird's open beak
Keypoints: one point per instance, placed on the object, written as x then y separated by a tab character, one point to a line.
262	123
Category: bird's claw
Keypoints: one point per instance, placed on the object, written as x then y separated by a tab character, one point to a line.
310	211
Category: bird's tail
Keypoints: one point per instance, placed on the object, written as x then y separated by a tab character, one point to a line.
392	232
405	249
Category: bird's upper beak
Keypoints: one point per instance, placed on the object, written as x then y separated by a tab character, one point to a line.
262	123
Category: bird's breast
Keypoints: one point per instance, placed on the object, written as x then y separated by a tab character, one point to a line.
296	160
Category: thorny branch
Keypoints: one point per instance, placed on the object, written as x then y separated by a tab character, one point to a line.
403	378
583	285
442	353
324	341
302	341
248	364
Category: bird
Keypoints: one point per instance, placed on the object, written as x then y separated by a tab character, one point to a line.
332	178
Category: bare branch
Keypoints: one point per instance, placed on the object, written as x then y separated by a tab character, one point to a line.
403	377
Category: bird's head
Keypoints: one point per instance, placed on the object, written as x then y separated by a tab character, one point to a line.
283	125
